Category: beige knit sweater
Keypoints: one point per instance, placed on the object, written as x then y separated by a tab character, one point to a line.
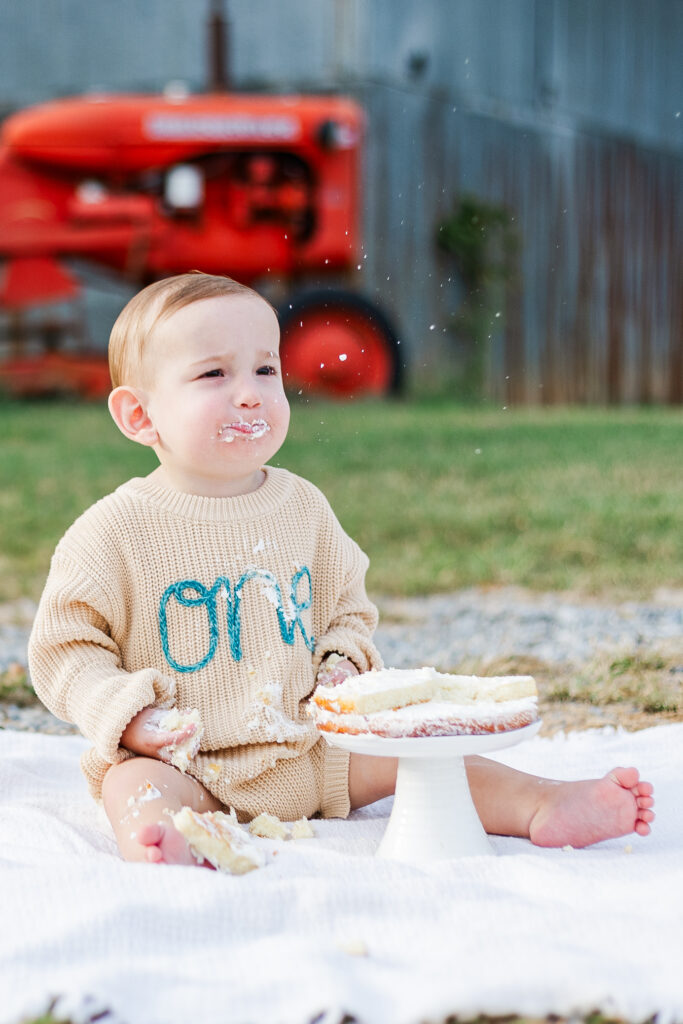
226	605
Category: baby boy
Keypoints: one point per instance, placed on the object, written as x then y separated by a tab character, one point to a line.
222	584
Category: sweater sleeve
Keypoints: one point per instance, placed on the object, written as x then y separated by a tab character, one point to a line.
354	618
75	665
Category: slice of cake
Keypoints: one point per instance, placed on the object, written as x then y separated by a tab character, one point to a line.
423	702
216	837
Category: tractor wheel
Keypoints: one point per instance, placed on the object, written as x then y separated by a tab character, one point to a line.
337	344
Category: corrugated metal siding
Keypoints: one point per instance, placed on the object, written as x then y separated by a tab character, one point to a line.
569	115
566	111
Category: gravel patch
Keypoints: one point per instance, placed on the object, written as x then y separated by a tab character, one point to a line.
445	630
34	718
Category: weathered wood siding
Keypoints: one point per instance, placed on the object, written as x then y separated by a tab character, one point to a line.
566	111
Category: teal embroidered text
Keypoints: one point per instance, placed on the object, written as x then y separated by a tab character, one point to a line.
182	590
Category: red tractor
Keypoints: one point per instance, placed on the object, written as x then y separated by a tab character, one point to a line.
247	185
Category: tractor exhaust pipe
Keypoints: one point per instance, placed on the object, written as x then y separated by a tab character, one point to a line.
218	40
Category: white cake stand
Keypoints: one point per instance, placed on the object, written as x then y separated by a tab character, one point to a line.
433	817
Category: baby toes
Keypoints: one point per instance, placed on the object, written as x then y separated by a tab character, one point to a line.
628	778
149	835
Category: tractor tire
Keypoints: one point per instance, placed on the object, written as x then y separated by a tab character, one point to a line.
337	344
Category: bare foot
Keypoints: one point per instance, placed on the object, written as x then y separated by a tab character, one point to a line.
165	845
580	813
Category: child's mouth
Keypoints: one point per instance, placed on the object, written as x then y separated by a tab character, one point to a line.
251	431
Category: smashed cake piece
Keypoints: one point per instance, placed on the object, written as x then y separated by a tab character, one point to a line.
180	754
400	703
302	829
216	837
268	827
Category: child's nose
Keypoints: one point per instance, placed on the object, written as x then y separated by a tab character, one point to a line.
247	394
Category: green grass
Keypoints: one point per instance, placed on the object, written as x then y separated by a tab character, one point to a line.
439	495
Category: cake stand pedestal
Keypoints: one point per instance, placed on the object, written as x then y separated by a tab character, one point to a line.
433	817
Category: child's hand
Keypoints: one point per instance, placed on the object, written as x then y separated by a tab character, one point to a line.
143	736
335	670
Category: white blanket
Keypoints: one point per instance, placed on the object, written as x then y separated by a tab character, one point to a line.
529	931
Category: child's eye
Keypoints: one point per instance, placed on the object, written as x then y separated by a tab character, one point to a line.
267	371
213	373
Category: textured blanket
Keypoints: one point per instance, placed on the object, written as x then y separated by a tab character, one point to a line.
325	929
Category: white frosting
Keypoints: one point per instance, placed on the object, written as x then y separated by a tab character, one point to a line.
395	688
267	714
250	430
180	753
148	791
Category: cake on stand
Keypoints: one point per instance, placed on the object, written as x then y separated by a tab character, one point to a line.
433	817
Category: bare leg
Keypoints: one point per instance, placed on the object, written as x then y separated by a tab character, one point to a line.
370	779
513	803
136	795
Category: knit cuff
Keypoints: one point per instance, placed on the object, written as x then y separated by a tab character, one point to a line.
120	698
362	652
336	802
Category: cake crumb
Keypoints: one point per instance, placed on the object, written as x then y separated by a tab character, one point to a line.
628	848
567	848
268	827
302	829
353	947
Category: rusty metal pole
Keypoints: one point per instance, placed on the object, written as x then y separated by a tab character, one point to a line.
218	40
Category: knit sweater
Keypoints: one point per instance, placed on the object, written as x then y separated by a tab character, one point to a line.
227	605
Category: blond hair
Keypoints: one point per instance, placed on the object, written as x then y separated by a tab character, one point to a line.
157	302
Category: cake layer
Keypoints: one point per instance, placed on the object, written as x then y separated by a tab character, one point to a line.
434	718
394	688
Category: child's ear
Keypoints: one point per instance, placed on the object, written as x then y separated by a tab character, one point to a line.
128	407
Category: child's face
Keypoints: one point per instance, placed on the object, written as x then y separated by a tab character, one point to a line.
217	401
